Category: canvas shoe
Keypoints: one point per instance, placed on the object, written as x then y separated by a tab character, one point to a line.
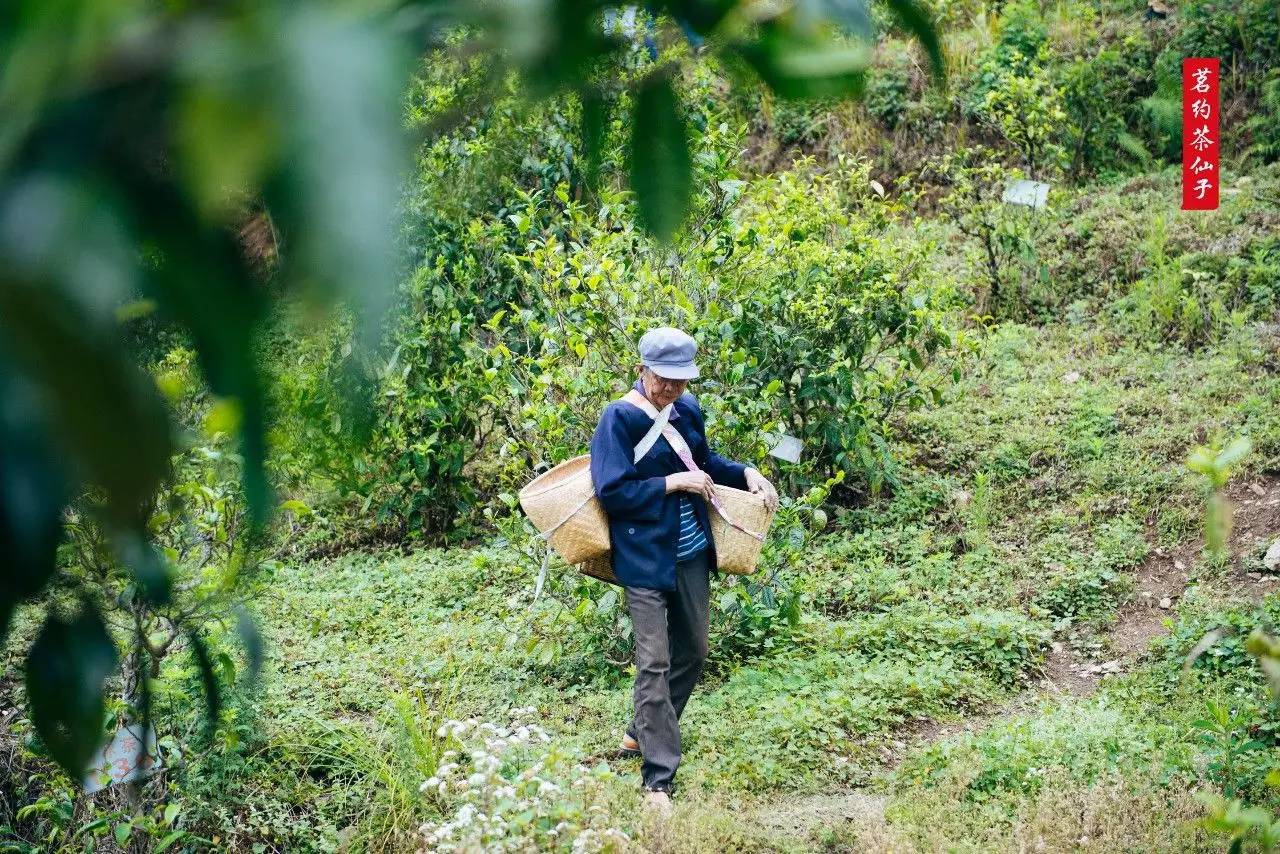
659	802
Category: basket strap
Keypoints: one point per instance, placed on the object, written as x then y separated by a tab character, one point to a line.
658	429
546	535
542	573
681	447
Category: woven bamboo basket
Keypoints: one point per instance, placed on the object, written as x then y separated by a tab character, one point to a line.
563	501
599	567
736	552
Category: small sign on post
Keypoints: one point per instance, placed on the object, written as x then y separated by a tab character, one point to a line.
784	447
1030	194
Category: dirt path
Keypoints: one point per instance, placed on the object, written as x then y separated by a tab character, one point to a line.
1159	583
800	816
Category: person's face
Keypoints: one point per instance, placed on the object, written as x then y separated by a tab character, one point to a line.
660	390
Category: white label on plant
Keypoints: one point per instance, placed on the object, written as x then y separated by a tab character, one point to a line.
787	448
1031	194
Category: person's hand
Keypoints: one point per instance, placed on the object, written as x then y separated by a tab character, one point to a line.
697	482
761	486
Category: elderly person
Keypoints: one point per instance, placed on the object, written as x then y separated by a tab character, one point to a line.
662	551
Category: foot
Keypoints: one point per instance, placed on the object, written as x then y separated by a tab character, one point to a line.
629	746
658	802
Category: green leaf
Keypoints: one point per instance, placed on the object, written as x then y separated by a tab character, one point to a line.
913	18
169	839
804	66
148	566
66	668
1234	453
853	16
223	417
209	680
298	508
122	833
228	667
1134	147
135	309
702	15
33	492
225	136
661	167
97	823
342	79
56	273
171	813
594	120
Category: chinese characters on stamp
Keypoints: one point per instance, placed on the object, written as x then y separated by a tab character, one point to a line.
1200	142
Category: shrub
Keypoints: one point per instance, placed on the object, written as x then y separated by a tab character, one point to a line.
1096	91
1022	40
1002	247
889	89
1264	124
1026	108
1196	298
813	317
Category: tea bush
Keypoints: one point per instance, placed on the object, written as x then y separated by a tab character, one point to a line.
813	318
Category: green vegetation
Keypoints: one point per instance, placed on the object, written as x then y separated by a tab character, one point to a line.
1015	597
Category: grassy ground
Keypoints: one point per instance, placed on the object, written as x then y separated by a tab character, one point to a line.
966	663
987	657
1032	504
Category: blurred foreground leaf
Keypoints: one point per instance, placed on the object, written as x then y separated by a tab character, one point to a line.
661	167
66	669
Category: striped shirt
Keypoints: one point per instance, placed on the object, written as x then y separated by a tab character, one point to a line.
693	541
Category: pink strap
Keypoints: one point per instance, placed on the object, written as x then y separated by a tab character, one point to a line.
682	451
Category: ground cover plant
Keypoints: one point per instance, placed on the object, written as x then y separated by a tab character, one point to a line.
1020	593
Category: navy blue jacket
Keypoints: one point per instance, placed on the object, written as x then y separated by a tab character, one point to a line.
644	521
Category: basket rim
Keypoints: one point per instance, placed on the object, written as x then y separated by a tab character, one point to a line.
534	488
743	493
732	489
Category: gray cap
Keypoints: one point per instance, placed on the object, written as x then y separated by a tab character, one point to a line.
669	353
